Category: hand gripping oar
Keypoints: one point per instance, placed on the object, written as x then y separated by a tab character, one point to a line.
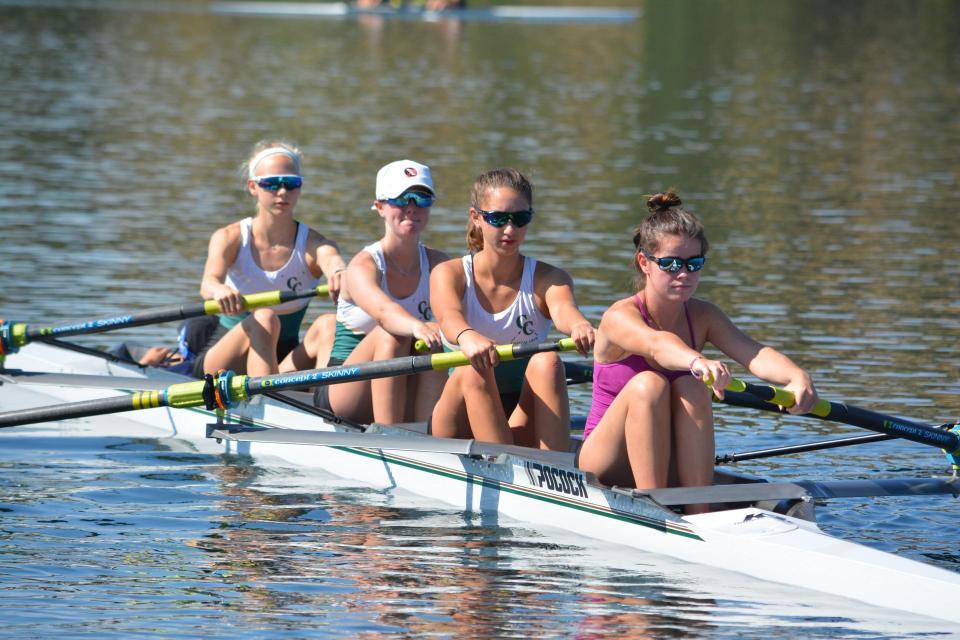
948	440
14	335
228	389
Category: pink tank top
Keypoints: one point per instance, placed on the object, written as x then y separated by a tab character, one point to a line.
609	378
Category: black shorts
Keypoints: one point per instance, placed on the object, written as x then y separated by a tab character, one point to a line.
321	394
284	347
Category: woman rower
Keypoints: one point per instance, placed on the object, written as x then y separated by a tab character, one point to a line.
651	421
496	295
385	305
266	252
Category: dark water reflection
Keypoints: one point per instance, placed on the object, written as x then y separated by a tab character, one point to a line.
139	540
816	139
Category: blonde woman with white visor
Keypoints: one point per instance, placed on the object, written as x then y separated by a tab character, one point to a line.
268	251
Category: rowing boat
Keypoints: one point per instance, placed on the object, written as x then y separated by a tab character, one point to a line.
346	10
503	13
765	530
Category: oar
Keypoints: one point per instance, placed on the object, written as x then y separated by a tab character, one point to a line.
822	445
576	372
743	399
949	441
227	390
14	335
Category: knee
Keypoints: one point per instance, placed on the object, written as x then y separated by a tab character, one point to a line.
693	393
469	379
389	345
648	386
546	366
324	327
267	319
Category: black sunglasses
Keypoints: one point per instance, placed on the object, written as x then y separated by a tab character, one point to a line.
673	264
273	183
501	218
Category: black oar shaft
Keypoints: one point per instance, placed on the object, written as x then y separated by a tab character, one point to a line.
402	366
228	388
332	375
802	448
101	325
83	409
161	314
857	417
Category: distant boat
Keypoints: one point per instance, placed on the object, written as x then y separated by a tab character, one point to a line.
495	14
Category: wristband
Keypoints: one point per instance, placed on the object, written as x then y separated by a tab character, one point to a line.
462	331
691	363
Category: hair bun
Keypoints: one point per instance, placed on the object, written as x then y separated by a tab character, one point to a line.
663	201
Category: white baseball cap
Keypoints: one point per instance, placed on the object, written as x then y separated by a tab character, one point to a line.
395	178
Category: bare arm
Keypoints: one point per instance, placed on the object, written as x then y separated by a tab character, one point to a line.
762	361
323	258
555	288
623	326
363	283
221	253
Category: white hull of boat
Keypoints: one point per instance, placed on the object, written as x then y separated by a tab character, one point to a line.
751	541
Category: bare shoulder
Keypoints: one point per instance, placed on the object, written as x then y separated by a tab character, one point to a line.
710	312
315	240
449	271
549	275
619	309
451	266
227	237
363	261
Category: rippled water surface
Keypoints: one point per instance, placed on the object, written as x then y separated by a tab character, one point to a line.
817	140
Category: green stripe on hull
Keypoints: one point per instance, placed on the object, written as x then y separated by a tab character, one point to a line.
663	526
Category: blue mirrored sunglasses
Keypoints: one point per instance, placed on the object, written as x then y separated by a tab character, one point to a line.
273	183
673	264
501	218
417	198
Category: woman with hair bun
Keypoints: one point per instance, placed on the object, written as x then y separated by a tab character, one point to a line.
651	421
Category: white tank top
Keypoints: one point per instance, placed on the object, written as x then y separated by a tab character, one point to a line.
246	276
416	304
521	322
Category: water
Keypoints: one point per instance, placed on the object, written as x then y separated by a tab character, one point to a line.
816	143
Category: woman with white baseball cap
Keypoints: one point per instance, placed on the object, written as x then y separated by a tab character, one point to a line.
384	307
265	252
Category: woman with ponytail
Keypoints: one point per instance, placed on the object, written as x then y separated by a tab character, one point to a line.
496	295
651	421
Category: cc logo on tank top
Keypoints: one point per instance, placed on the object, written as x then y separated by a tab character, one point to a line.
525	325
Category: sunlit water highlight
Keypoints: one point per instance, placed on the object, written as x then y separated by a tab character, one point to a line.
821	157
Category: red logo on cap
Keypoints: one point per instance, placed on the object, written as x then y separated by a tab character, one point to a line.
409	172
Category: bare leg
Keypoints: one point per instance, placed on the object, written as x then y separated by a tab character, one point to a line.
389	394
380	400
353	399
262	356
631	444
424	391
472	395
250	347
694	446
542	416
314	351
